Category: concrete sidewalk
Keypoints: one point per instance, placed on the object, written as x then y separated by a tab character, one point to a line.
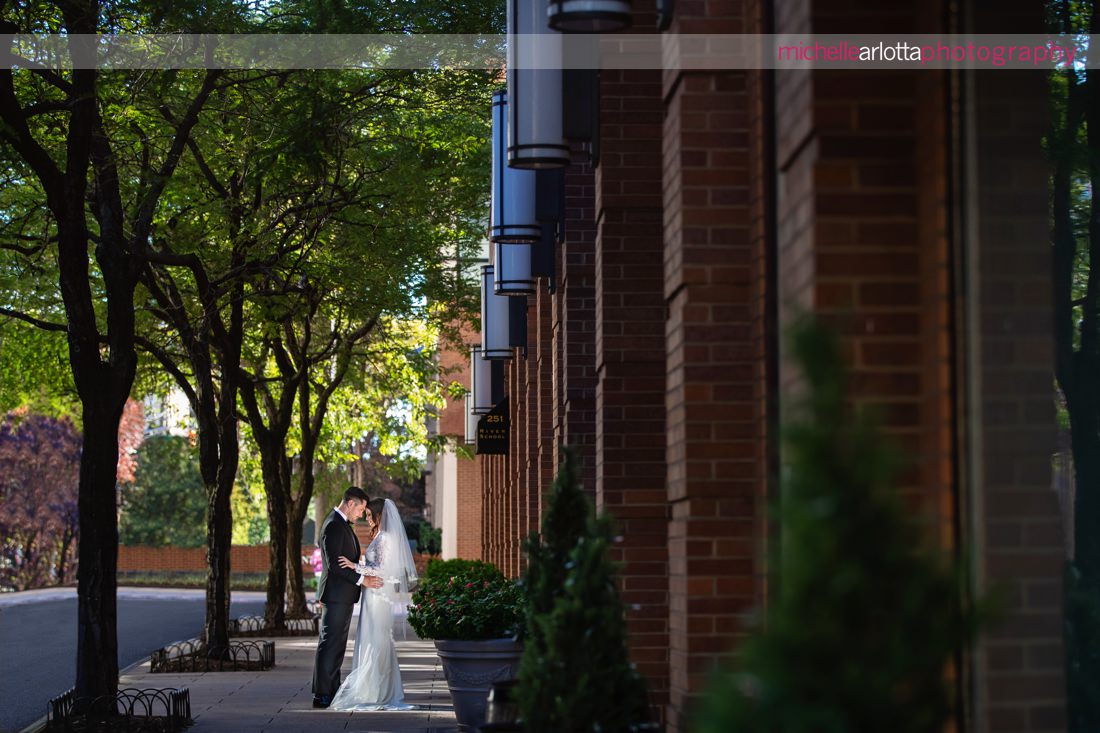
279	700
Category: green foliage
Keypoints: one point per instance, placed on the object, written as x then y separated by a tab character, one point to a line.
466	601
1071	145
1082	612
248	500
166	503
34	371
867	618
430	539
440	571
187	579
575	674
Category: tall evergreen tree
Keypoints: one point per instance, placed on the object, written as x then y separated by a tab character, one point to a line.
576	673
867	617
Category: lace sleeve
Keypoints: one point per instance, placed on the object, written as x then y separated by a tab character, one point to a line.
373	565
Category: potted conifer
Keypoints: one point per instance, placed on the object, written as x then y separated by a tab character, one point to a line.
576	673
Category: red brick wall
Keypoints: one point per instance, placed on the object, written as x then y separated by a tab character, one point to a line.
469	510
715	435
575	326
454	363
630	359
242	559
1014	517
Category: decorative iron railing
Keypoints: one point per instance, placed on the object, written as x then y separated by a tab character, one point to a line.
254	626
129	711
192	655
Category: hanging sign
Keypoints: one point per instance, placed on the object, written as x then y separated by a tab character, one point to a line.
492	431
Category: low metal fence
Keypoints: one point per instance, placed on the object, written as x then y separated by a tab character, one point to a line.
255	626
131	710
192	655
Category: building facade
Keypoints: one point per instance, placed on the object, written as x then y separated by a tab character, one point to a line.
906	209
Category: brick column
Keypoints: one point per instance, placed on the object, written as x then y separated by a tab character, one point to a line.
575	325
1015	522
715	436
630	358
546	448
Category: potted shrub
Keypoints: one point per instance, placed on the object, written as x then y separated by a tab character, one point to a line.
473	614
576	673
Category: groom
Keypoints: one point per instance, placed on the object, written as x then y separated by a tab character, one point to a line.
337	591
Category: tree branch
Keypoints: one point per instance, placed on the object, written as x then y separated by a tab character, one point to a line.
171	367
36	322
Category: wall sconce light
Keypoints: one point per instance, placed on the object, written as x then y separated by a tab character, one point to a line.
513	269
535	136
588	16
512	203
481	387
494	319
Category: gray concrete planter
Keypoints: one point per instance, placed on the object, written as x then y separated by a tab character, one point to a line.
470	668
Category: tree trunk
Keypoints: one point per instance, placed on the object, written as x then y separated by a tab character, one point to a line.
1077	368
270	438
295	590
63	557
277	485
1082	596
219	538
97	602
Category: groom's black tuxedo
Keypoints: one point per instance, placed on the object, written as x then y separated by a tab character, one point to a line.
337	584
338	590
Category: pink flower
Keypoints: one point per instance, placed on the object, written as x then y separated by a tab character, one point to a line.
469	585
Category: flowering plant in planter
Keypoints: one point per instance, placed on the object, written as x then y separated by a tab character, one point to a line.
476	602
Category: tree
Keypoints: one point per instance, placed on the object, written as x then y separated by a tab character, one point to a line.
165	505
349	320
233	220
1073	144
867	617
39	476
575	673
63	147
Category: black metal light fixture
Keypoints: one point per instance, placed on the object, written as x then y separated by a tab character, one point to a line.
512	204
494	319
535	136
481	387
588	16
513	269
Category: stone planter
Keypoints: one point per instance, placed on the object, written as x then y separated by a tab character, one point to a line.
471	667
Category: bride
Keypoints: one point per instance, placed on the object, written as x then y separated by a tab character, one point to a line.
375	679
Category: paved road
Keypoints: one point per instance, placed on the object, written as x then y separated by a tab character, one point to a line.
38	639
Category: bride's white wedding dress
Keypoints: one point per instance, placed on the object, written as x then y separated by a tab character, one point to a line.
375	679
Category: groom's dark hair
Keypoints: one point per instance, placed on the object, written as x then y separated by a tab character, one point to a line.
354	492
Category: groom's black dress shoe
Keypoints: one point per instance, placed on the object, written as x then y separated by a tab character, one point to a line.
321	702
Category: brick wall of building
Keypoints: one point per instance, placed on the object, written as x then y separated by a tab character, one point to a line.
469	509
574	326
713	401
242	559
1014	518
630	359
659	354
